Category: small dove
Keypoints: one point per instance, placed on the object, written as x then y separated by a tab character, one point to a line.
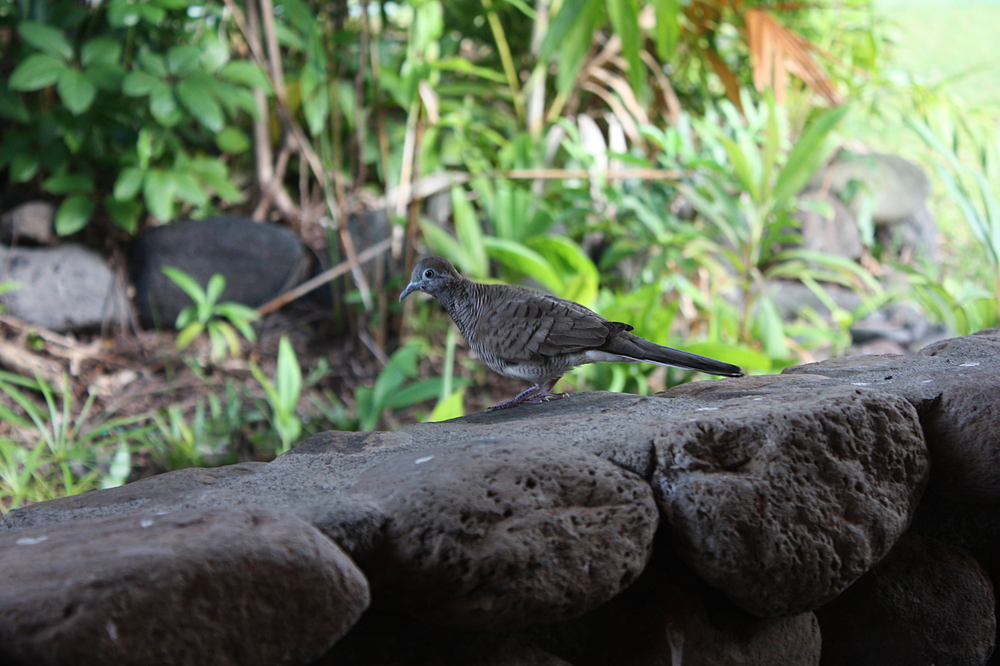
526	334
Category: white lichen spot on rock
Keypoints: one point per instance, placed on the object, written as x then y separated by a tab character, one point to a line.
30	541
418	461
146	522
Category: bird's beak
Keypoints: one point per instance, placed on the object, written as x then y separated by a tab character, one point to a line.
410	288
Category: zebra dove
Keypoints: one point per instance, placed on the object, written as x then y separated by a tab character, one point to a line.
526	334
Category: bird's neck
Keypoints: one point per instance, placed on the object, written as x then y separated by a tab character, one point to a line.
460	301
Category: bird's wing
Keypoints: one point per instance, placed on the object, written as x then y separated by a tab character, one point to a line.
524	325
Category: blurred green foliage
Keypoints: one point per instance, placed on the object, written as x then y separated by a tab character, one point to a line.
642	159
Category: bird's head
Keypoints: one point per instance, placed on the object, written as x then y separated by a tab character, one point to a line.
432	275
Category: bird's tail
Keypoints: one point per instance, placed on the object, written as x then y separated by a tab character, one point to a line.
639	349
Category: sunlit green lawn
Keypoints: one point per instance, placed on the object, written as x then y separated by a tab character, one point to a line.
949	42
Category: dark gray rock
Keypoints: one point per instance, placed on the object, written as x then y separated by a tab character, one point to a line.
784	496
926	603
915	237
963	433
259	262
30	222
502	535
210	587
921	378
670	616
837	234
313	492
898	187
61	288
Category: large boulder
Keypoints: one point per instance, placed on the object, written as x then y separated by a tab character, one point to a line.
927	603
505	534
259	261
784	496
220	587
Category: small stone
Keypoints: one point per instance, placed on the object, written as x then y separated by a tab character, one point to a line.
61	288
29	222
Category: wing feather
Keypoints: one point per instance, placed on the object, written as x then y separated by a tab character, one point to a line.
528	326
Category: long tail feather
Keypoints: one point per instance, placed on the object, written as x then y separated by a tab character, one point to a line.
640	349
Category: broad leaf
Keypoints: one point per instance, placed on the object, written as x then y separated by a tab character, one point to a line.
35	72
45	38
73	214
75	90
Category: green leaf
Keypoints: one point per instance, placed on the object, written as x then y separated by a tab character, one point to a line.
158	192
445	245
246	73
741	165
581	277
200	103
163	106
232	140
625	20
807	154
668	29
288	380
451	407
128	183
153	63
100	51
45	38
186	283
68	183
426	389
183	59
124	214
73	214
470	233
188	333
524	260
37	71
138	83
23	167
572	33
75	90
187	188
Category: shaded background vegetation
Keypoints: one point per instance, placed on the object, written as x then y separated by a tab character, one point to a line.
643	159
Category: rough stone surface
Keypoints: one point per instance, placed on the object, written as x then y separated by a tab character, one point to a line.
29	222
312	492
926	603
61	288
382	638
670	616
922	378
501	535
212	587
785	498
259	261
963	433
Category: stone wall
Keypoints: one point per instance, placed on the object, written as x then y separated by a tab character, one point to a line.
844	512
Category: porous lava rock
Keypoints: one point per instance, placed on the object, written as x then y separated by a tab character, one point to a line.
927	602
784	498
232	586
505	534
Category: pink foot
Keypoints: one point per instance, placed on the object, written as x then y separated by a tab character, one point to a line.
531	396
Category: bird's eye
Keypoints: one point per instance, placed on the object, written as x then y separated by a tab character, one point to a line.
429	273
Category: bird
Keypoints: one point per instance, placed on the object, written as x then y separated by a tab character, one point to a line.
534	336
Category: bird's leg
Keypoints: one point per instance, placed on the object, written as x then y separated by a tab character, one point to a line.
532	396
